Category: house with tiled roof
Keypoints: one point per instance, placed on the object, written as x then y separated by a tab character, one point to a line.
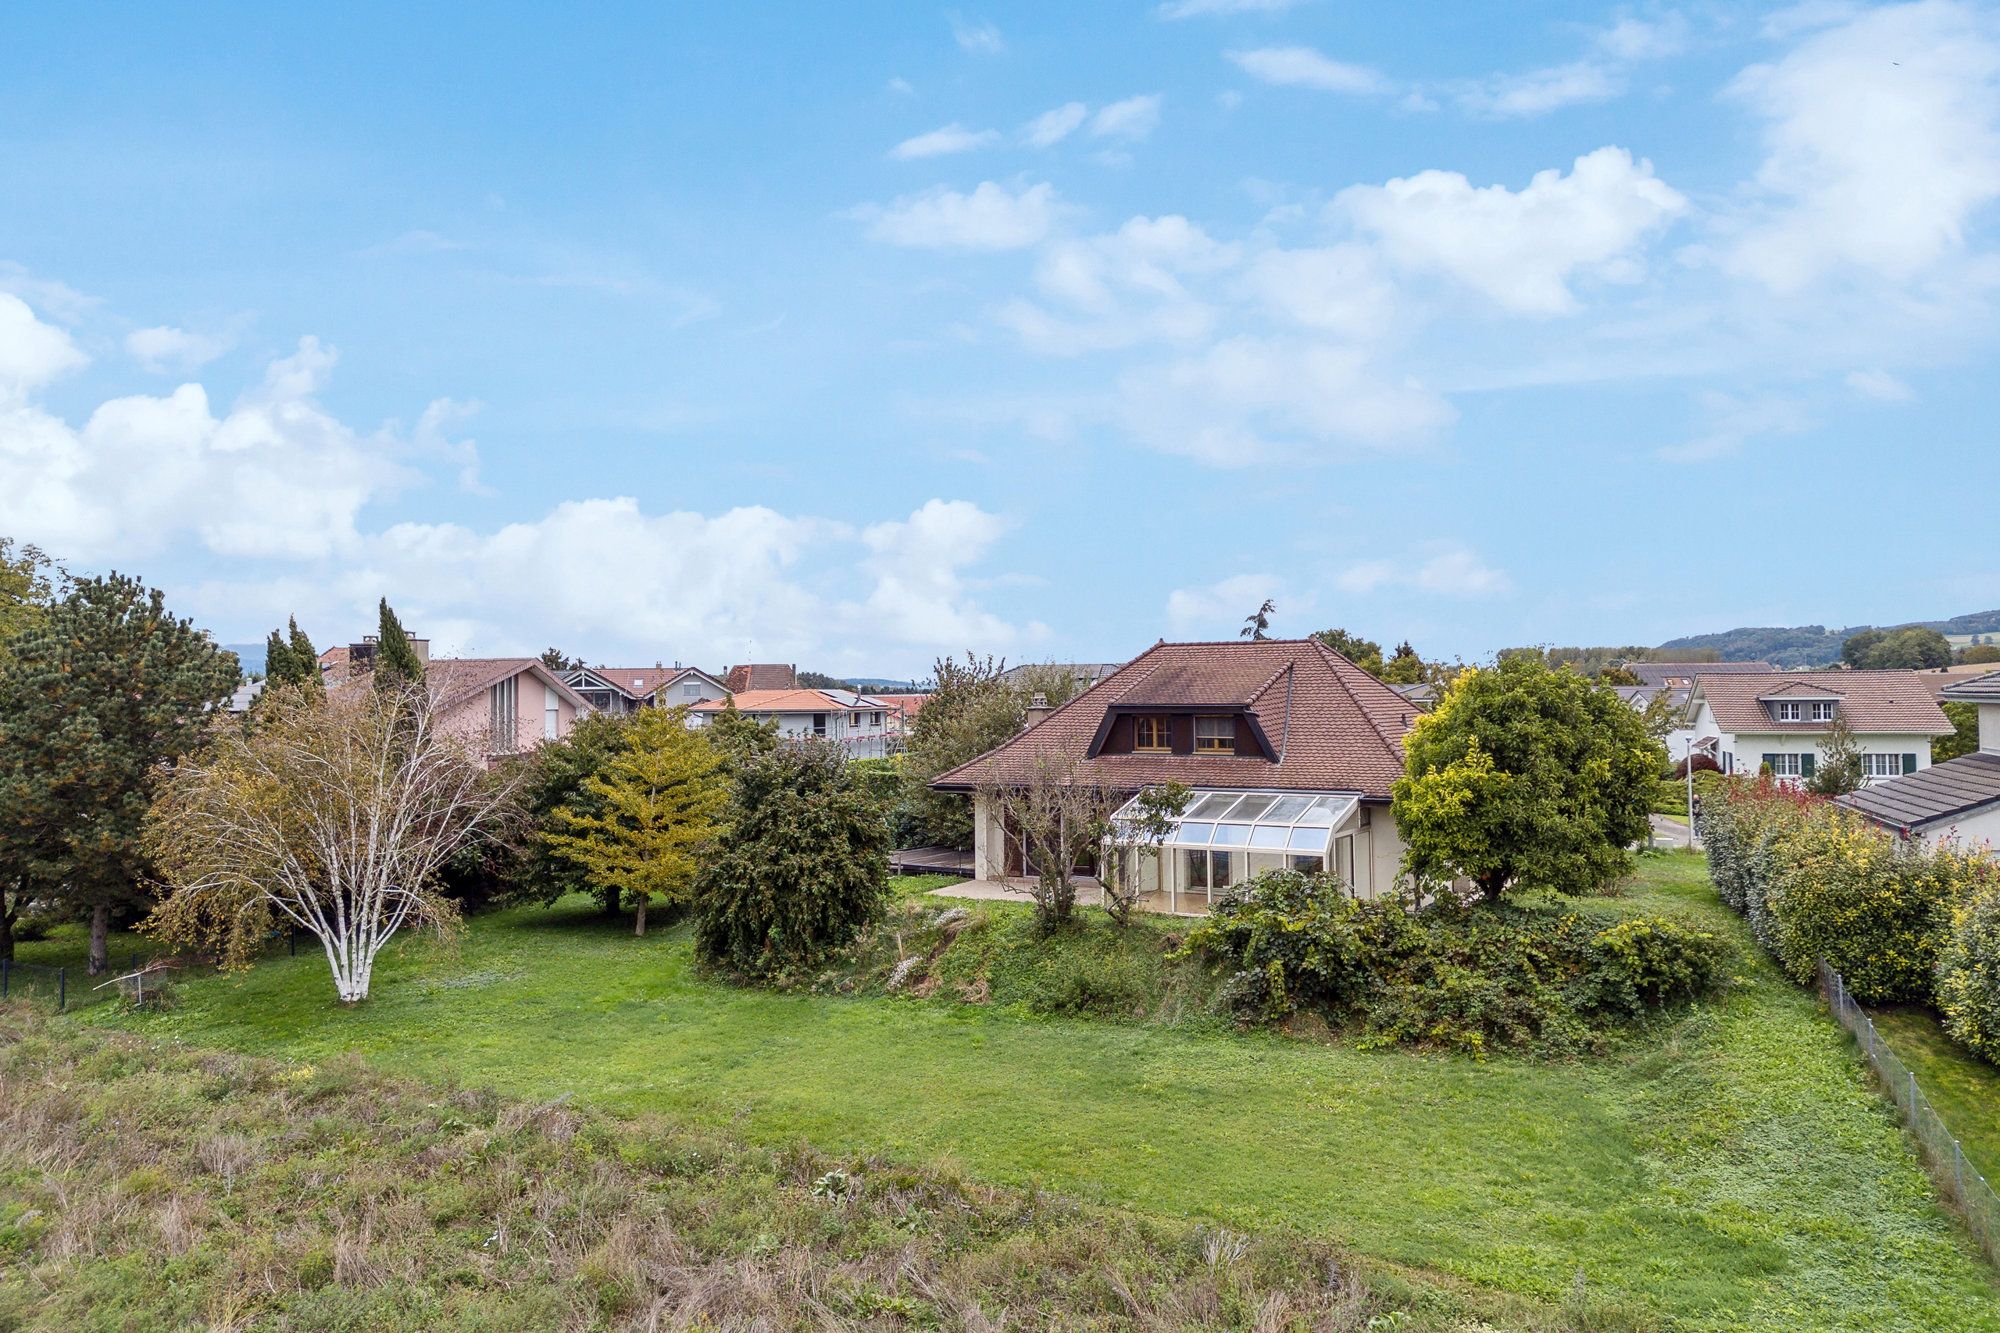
1290	749
761	676
623	690
1777	722
858	723
1680	675
1956	801
503	705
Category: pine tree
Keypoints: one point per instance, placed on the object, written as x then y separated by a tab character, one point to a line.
658	801
277	659
305	659
95	703
395	660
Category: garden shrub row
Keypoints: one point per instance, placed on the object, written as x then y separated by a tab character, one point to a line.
1554	979
1903	922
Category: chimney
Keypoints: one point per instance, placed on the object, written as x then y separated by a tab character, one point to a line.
1038	708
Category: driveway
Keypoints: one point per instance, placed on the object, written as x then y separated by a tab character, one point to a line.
1671	833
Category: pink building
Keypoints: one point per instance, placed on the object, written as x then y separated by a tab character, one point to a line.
504	705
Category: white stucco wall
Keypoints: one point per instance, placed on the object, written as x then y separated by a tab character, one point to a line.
1981	828
1989	727
1747	749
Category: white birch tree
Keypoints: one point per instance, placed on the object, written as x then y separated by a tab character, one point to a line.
332	815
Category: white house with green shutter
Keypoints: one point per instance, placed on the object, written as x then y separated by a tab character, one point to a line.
1778	722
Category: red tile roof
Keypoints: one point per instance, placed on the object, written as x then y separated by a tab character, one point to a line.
785	701
1873	702
639	682
761	676
1333	726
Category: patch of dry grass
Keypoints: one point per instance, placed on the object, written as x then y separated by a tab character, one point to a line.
159	1186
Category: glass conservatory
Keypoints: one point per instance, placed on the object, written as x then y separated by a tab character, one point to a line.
1223	838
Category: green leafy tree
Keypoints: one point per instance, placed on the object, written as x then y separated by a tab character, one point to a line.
819	680
1056	682
801	869
1964	738
557	661
1980	654
1140	835
95	702
1910	649
1364	653
1839	768
553	787
1617	675
291	659
971	709
655	805
396	660
1526	777
1257	624
1405	667
739	738
29	582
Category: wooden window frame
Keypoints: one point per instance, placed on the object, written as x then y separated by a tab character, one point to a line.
1228	745
1148	721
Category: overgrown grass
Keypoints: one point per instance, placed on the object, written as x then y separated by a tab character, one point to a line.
1963	1088
1731	1168
149	1187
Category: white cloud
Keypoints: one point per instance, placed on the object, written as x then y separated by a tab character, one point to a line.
1303	67
1219	609
1639	39
1119	289
952	138
918	564
276	491
1519	248
1187	9
980	38
1131	120
992	217
1443	569
168	348
1879	385
1054	125
1341	289
1882	138
1733	421
1508	96
31	353
1247	399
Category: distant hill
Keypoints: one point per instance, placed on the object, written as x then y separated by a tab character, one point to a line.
1813	645
249	656
882	685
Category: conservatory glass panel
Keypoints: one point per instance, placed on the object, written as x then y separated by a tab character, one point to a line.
1287	809
1213	805
1193	835
1309	840
1253	807
1268	835
1320	811
1231	835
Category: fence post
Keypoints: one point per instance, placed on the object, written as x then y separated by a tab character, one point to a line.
62	989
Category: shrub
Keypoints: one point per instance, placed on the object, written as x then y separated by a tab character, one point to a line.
802	868
1873	906
1968	967
1455	976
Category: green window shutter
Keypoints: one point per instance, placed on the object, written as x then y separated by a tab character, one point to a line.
1909	763
1806	763
1770	763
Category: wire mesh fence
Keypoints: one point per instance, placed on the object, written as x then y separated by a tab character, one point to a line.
132	975
1959	1180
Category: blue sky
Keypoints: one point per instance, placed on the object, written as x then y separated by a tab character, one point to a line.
734	332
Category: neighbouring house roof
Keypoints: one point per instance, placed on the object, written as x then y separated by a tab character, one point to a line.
1657	674
1873	702
1331	725
458	678
1979	690
905	706
791	701
761	676
1087	672
635	682
1940	794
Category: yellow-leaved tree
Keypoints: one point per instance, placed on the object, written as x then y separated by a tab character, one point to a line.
659	804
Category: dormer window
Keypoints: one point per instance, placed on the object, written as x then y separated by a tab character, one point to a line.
1791	711
1215	735
1823	710
1149	732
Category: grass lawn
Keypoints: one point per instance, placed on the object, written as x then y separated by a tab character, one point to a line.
1731	1168
1964	1089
